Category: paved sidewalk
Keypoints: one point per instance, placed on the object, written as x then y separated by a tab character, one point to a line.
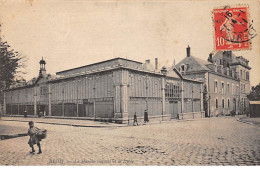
210	141
68	122
90	123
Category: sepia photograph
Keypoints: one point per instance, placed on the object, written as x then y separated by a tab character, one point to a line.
129	83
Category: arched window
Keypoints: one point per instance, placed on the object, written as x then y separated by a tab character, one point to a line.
216	103
228	103
223	103
222	88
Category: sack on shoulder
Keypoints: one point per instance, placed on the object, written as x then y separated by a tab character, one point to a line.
42	134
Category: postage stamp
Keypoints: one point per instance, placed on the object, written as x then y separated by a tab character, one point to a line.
233	31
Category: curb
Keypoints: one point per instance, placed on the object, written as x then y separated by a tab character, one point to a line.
100	126
5	137
73	125
239	120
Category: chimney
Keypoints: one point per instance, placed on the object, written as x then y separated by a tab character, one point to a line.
148	66
210	58
164	70
227	55
156	63
188	51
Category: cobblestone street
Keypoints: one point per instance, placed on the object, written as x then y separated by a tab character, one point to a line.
215	141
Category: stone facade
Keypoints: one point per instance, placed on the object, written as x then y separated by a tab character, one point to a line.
226	78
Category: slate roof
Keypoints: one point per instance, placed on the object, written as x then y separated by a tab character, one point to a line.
197	65
31	82
194	64
219	55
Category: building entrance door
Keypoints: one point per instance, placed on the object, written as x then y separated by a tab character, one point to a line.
234	105
41	110
173	107
89	109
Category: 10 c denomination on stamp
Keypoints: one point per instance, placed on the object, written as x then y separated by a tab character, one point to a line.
232	29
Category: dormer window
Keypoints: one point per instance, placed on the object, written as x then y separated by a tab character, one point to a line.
183	68
218	61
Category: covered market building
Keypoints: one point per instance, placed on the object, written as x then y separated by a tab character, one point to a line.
112	90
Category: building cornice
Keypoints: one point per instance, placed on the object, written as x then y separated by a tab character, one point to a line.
106	69
238	63
225	76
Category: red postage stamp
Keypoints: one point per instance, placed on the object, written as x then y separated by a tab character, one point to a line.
231	28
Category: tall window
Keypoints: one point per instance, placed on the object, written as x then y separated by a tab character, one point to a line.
216	86
43	90
172	90
223	103
228	103
243	87
222	87
247	76
228	91
216	103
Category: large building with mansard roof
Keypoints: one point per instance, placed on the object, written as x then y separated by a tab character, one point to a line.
226	77
112	90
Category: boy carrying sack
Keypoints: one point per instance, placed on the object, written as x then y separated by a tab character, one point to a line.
36	135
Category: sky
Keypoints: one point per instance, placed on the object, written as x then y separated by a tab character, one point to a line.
73	33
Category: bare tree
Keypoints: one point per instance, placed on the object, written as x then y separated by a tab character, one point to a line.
12	65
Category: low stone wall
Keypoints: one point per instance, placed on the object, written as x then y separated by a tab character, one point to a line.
191	115
155	118
127	121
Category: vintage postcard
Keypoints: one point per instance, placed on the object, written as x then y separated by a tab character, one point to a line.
129	83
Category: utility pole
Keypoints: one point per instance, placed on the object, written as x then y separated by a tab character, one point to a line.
63	100
146	78
94	102
77	99
192	100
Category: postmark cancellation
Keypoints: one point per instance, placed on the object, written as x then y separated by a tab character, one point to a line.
233	29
